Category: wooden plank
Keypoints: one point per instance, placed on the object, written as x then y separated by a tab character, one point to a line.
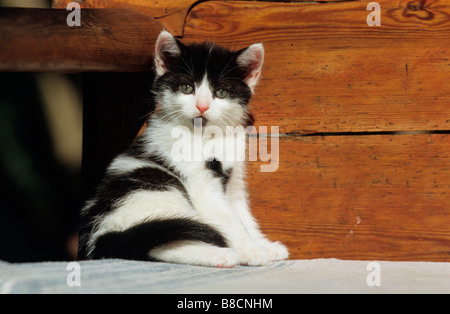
108	40
171	13
358	197
326	70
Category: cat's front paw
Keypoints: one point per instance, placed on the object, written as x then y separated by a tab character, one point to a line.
276	251
253	255
224	258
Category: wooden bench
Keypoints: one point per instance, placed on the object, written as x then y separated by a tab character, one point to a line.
363	112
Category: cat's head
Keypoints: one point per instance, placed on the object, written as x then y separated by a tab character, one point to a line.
205	81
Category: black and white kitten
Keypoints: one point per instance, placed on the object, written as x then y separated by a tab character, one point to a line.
153	206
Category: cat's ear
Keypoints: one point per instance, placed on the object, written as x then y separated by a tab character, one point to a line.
167	49
251	60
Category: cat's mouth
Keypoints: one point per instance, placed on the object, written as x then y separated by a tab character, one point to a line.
199	121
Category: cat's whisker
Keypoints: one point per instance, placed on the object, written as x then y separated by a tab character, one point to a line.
171	114
229	117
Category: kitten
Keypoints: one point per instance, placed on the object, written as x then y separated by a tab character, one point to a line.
150	206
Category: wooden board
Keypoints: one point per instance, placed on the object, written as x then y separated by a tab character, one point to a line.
171	13
358	197
326	70
120	40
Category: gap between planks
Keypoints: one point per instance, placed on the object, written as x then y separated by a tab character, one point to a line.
324	134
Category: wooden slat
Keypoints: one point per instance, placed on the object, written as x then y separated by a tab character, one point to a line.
326	70
171	13
358	197
120	40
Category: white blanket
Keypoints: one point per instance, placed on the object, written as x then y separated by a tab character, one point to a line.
295	276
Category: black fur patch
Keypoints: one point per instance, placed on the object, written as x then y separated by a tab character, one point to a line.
217	168
136	242
115	187
138	151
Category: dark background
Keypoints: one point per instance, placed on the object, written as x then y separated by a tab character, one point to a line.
40	195
40	188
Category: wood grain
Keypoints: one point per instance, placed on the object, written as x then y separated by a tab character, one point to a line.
358	197
326	70
120	40
171	13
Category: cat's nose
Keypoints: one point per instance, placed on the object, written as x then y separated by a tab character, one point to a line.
202	107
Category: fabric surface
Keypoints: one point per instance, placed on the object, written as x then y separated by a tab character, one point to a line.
294	276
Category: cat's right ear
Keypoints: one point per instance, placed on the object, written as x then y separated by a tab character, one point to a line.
167	49
251	60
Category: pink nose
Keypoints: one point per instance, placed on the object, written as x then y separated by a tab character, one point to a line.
202	107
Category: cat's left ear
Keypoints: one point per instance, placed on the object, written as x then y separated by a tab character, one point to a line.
251	60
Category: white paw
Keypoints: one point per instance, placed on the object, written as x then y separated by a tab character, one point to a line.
223	257
276	251
253	255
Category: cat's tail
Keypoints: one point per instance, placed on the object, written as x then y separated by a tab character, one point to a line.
135	243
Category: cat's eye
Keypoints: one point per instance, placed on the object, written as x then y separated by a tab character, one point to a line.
221	93
186	89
